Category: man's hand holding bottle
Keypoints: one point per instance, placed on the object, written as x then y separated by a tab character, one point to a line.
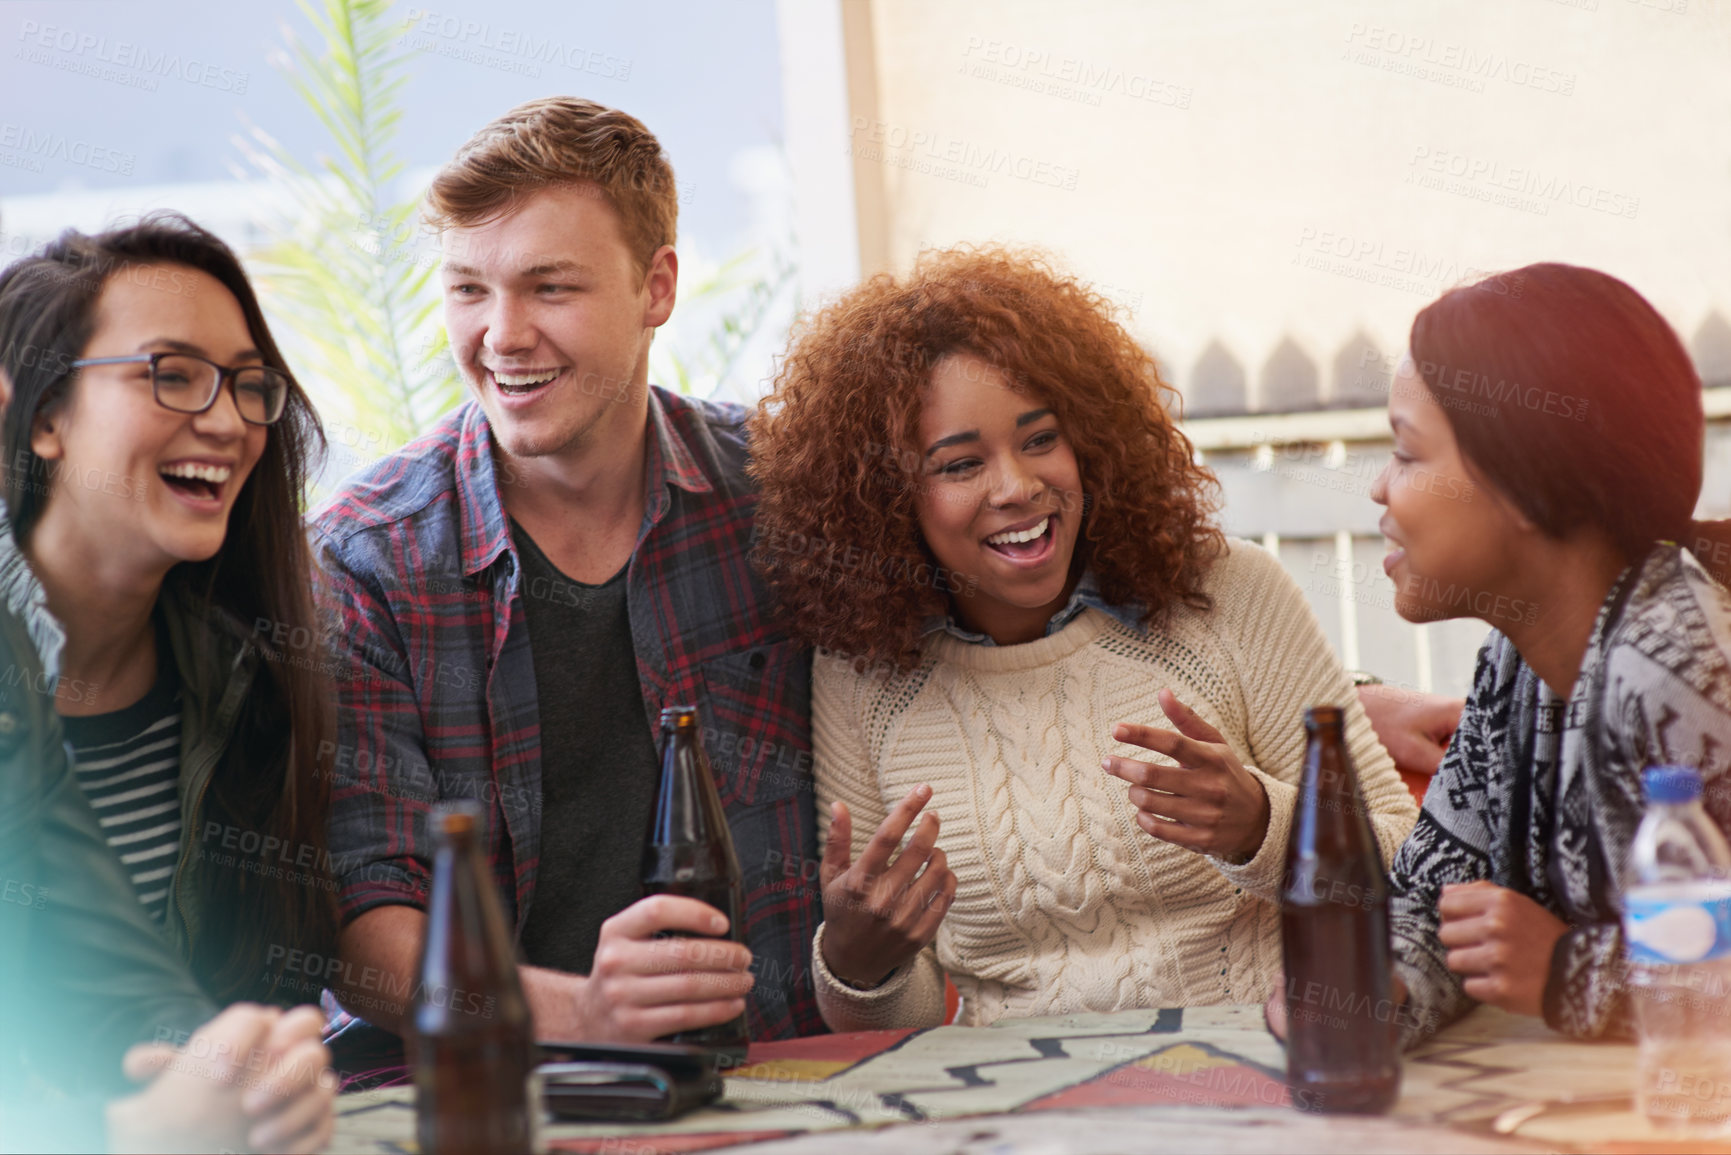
643	987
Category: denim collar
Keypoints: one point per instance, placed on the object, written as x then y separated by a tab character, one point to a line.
1086	596
23	594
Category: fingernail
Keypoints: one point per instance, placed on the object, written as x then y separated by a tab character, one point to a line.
923	790
717	924
1106	765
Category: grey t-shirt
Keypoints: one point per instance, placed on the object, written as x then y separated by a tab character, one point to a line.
598	761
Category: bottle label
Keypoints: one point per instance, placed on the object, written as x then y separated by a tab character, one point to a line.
1678	923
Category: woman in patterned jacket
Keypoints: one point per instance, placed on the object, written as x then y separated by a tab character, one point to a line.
1547	458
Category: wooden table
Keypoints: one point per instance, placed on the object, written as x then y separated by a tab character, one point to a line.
1204	1078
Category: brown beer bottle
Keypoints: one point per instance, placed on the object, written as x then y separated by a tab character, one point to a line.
1341	1043
689	852
470	1039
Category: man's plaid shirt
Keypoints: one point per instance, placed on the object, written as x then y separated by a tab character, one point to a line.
436	685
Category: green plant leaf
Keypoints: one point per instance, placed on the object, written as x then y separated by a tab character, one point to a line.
342	274
337	273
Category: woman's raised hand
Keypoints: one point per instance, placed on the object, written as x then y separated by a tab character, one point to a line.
882	910
1209	802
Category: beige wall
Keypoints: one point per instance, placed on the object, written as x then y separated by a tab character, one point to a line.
1271	190
1257	171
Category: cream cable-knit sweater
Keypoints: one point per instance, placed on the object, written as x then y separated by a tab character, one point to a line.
1063	903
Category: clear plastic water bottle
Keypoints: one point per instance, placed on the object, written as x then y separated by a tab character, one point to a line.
1677	931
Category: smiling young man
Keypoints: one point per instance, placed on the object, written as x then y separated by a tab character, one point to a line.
519	593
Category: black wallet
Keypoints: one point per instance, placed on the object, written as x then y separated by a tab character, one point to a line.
648	1082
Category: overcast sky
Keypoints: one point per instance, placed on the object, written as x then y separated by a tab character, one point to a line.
137	92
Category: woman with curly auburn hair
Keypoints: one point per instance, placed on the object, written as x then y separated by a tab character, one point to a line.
977	505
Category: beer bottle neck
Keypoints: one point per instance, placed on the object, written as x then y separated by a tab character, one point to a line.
687	806
1327	768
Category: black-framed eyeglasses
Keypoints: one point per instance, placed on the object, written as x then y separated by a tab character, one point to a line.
187	383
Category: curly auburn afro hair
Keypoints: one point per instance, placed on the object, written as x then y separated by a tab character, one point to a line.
837	535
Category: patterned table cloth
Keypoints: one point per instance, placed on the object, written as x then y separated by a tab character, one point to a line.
1210	1074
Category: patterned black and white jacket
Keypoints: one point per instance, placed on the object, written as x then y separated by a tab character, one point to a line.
1543	796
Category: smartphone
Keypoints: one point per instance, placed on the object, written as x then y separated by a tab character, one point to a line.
649	1082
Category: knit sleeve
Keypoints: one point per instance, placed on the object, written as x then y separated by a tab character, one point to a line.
1667	701
1285	665
913	994
1586	989
1452	843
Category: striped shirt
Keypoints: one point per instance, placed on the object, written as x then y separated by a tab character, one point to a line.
128	763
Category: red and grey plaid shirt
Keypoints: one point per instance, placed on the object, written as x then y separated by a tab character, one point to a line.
436	685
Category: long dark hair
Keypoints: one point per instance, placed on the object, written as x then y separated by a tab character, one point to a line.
269	781
1571	395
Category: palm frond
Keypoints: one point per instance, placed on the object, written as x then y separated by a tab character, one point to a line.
358	300
355	291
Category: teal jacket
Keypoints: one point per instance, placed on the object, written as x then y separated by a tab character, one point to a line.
84	973
218	663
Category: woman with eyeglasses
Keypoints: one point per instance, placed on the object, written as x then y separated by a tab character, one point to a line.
156	454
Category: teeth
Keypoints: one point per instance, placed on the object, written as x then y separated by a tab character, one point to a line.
1028	534
520	380
215	474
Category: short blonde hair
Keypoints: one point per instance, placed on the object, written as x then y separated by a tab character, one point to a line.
562	141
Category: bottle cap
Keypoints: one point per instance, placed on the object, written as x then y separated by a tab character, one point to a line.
1323	717
1671	784
460	817
673	716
